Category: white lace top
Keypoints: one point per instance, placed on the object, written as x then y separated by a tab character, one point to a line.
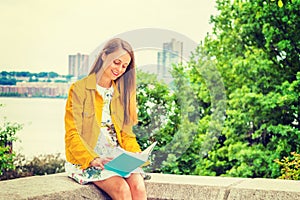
107	140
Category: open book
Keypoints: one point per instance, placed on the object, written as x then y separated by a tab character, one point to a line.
126	161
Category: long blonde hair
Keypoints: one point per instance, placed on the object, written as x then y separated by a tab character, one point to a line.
126	84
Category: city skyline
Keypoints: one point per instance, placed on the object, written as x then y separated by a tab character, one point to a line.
78	65
39	35
172	53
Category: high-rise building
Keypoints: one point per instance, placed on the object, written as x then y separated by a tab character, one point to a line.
171	54
78	65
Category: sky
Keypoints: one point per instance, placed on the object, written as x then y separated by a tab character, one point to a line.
38	35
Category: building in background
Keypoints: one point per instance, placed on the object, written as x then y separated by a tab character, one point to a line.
78	65
171	54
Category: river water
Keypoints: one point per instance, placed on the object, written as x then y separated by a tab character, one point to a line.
43	124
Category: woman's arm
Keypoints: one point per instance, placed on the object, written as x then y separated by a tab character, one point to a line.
77	150
129	140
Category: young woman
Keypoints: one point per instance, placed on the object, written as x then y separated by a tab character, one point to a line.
100	113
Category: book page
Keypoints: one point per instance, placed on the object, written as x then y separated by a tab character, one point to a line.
125	162
140	155
149	149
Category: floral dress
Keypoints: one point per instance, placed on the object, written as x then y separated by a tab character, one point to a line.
106	146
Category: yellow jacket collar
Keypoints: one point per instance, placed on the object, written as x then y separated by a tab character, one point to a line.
91	84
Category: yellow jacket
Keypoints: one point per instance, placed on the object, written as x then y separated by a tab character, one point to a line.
83	114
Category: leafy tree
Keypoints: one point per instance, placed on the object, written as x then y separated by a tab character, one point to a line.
178	158
8	132
167	115
157	115
21	74
33	79
7	81
290	167
249	67
251	62
3	74
255	46
53	74
28	74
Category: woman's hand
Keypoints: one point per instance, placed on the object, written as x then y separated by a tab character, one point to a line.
100	162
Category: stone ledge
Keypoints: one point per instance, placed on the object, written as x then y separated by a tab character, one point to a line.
50	187
161	186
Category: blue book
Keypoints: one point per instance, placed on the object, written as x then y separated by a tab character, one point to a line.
126	162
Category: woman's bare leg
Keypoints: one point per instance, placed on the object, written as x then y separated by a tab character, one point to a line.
137	186
116	187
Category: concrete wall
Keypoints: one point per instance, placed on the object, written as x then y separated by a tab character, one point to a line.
161	186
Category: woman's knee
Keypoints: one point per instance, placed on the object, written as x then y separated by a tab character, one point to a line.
115	188
123	190
137	188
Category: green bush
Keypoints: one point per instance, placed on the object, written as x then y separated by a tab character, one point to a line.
38	165
290	167
8	132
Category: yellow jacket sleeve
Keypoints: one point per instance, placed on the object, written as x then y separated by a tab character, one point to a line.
77	150
129	140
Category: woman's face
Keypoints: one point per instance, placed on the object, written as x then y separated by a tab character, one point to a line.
117	62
